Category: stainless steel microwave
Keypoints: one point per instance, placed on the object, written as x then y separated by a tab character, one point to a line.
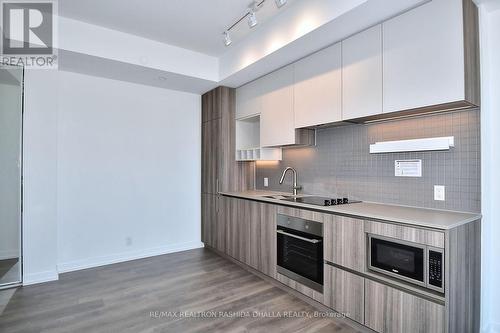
411	262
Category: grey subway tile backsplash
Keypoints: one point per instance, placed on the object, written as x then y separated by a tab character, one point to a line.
340	164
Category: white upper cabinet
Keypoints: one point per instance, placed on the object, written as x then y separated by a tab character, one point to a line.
362	74
277	126
249	100
318	88
424	61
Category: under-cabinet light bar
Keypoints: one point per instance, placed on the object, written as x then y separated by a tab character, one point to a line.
427	144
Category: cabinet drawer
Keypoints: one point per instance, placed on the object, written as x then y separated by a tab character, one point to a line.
345	242
409	234
315	295
390	310
344	292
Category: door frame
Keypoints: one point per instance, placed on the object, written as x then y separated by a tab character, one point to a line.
21	166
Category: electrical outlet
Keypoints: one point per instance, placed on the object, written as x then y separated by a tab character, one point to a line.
439	192
266	182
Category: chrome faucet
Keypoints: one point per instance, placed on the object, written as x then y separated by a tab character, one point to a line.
295	186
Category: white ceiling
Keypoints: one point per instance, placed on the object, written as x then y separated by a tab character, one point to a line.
191	24
154	42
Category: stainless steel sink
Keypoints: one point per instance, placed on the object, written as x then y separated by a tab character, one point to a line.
279	197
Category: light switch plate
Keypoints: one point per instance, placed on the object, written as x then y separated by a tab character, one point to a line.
439	192
408	168
266	182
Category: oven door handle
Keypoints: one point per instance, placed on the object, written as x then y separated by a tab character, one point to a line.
314	241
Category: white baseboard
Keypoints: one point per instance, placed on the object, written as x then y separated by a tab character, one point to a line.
40	277
9	255
491	327
125	256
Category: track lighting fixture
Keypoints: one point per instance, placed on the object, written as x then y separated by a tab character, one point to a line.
280	3
252	19
227	38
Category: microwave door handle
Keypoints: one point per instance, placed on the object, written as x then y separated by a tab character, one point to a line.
314	241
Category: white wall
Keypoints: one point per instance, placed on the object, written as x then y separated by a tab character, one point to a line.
40	177
490	141
128	171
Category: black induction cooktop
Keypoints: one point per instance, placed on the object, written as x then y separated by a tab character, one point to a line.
322	201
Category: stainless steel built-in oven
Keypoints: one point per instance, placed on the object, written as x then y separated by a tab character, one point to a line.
415	263
300	250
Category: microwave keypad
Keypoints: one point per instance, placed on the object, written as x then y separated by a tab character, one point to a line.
436	269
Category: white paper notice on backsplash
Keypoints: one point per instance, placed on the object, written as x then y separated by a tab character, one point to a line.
408	168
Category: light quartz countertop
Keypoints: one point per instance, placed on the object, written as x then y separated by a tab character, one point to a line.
422	217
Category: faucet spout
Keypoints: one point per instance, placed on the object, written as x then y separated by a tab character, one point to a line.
294	173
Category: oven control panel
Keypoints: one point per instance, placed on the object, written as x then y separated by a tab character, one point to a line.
436	269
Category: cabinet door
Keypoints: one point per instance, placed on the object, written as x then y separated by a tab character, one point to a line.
345	242
210	161
253	236
267	263
424	56
220	225
344	292
209	219
237	223
250	229
277	125
209	110
249	100
318	87
232	227
362	74
390	310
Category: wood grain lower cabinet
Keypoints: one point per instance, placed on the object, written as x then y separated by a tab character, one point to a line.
220	232
213	225
250	233
301	288
209	219
390	310
344	292
267	261
345	242
231	217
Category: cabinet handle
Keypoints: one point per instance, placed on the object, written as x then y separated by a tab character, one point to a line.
314	241
217	186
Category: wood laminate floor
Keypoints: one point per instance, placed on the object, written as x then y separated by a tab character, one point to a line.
149	295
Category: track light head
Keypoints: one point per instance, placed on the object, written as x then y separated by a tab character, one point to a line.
227	38
252	19
280	3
